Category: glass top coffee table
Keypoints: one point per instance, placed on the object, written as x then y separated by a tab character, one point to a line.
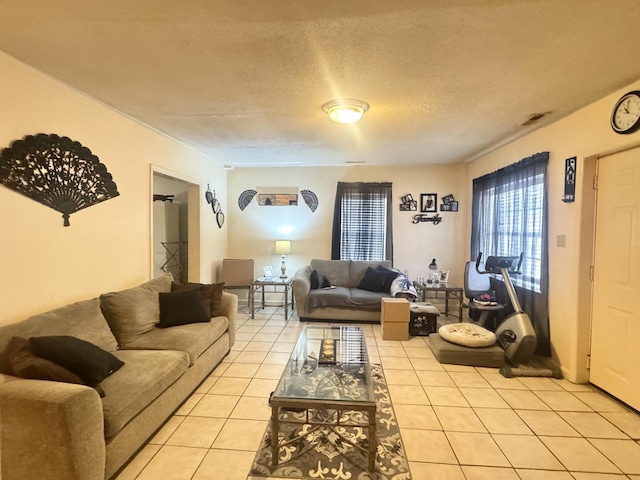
326	380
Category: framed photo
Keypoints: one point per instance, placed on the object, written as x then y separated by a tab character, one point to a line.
444	276
428	202
447	199
407	198
277	199
445	207
268	271
453	206
410	206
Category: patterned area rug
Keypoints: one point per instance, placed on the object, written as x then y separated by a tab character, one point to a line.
323	454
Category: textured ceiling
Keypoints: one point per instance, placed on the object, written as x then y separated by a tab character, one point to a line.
244	80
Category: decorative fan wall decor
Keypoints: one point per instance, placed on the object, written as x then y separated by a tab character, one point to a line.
310	198
245	198
57	172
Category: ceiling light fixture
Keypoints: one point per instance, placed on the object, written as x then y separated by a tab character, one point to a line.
345	111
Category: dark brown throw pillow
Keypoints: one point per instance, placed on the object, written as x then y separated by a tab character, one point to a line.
183	307
18	360
213	294
88	361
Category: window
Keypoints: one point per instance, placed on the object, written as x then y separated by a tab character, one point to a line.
509	217
362	222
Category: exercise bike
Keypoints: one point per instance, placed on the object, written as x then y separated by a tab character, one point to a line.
515	335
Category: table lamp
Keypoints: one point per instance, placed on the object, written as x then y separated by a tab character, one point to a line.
283	247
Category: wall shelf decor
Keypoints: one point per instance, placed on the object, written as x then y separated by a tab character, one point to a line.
245	198
408	204
449	204
310	198
57	172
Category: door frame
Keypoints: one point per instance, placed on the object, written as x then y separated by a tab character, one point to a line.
193	219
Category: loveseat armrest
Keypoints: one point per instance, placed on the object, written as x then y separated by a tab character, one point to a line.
301	287
51	431
229	307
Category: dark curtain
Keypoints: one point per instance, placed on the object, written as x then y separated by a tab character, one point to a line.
509	216
366	202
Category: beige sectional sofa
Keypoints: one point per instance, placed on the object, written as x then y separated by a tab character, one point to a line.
344	302
63	431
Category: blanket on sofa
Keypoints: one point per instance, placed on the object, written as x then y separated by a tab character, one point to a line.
343	297
403	287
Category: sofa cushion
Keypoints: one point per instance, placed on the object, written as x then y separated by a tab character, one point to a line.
374	280
193	339
135	311
183	307
366	300
337	271
144	376
82	320
213	292
86	360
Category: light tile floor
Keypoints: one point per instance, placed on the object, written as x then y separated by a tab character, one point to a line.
456	422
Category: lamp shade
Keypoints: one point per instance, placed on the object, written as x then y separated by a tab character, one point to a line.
283	247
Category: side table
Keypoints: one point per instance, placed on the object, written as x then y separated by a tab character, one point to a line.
261	283
451	292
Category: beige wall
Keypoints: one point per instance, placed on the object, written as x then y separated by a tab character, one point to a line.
253	232
585	134
107	246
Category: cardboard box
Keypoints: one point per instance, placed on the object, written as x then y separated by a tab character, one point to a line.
395	331
394	319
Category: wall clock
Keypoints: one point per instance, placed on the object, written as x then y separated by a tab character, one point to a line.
625	117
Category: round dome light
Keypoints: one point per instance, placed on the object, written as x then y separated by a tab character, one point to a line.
345	111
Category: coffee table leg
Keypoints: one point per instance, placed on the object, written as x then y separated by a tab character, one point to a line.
372	440
274	434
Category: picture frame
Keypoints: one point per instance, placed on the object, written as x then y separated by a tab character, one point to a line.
447	199
428	202
267	271
444	276
410	206
277	199
453	206
407	198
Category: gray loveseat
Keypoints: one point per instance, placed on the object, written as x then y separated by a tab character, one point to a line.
64	431
344	302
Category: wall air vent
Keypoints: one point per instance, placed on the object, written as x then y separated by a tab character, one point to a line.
534	118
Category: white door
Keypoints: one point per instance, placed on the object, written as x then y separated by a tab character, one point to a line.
615	335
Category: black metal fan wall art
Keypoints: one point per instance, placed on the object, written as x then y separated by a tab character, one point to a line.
57	172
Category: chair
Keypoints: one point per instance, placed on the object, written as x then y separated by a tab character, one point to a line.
238	273
475	284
